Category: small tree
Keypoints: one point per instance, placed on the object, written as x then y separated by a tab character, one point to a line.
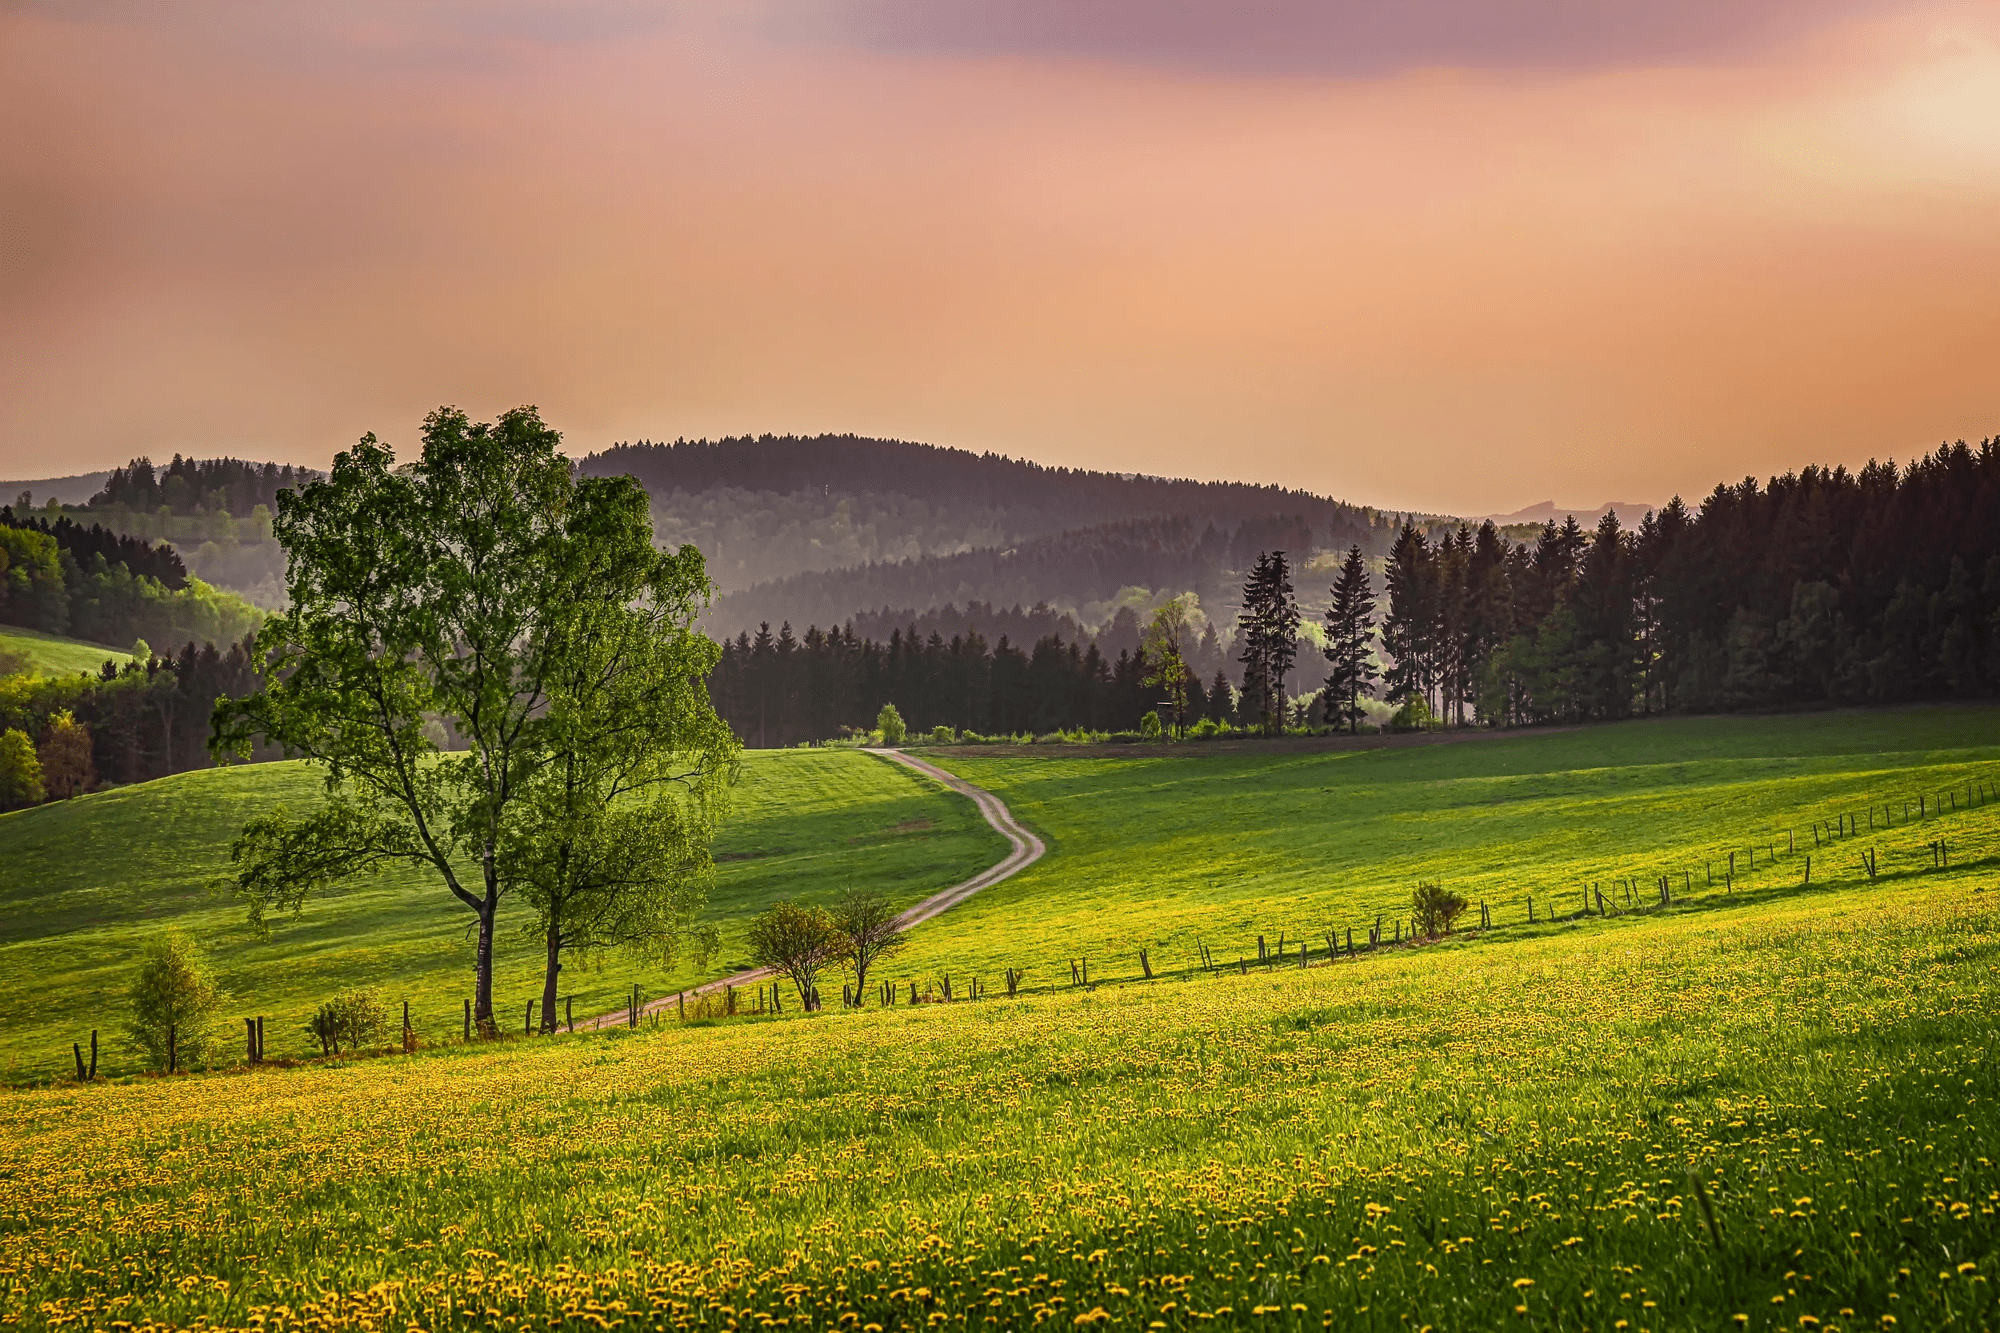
20	770
174	997
1436	909
798	941
1169	629
890	723
1149	725
871	930
65	755
356	1017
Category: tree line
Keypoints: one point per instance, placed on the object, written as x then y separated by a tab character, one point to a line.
188	485
61	577
133	721
1822	586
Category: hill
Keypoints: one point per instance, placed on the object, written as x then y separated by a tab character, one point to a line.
86	882
1766	1104
770	508
51	654
71	490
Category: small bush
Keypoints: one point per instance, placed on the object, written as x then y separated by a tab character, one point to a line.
1149	725
175	994
943	735
890	723
353	1018
20	770
1414	715
1436	908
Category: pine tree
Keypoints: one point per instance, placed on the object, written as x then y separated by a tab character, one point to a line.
1270	623
1350	624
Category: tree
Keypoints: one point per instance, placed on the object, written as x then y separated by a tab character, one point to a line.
890	723
174	999
1410	629
1270	623
20	770
1168	630
1436	909
609	839
459	590
65	757
798	941
1350	626
357	1017
872	930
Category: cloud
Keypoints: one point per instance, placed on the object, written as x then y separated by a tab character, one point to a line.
1352	38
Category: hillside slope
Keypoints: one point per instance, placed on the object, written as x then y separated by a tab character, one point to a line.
85	883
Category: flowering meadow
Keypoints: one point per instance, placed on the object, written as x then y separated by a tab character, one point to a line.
1769	1117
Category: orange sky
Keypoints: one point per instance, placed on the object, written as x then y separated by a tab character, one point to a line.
1378	251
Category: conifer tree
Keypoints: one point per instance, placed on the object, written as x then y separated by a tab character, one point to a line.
1350	625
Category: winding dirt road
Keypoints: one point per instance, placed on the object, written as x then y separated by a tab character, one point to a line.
1025	850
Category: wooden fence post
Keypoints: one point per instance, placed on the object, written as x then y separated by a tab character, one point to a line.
528	1021
249	1046
468	1020
173	1053
93	1047
1145	965
1808	869
76	1049
1302	953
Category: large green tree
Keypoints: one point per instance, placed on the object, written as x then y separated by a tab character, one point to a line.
1350	629
441	616
609	841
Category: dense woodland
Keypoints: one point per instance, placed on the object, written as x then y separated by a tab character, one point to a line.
144	719
196	485
1824	586
1078	568
767	508
89	583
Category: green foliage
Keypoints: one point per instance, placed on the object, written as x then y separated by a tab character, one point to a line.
889	722
20	771
481	586
50	654
1165	646
1414	714
1435	909
174	996
1149	725
67	769
943	735
798	941
867	922
353	1019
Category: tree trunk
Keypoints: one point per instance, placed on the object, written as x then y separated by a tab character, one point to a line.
482	985
551	970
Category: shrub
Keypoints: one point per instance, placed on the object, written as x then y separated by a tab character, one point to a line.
1149	725
20	770
1436	908
355	1018
890	723
1414	715
943	735
173	996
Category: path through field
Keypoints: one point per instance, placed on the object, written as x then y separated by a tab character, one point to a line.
1026	850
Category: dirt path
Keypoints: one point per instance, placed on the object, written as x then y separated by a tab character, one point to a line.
1025	850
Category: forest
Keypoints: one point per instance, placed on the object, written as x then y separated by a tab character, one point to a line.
767	508
60	577
1820	587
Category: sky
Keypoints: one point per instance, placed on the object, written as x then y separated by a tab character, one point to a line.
1447	255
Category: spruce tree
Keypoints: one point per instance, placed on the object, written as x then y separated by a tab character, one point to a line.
1350	623
1270	622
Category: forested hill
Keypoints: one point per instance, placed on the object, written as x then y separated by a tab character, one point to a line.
767	508
1078	572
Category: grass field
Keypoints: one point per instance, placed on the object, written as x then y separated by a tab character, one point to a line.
84	883
1224	846
1767	1107
50	655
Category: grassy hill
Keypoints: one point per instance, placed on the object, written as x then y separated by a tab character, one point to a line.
51	655
1766	1105
1226	844
85	883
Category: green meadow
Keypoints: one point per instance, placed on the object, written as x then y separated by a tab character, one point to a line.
84	883
52	655
1765	1104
